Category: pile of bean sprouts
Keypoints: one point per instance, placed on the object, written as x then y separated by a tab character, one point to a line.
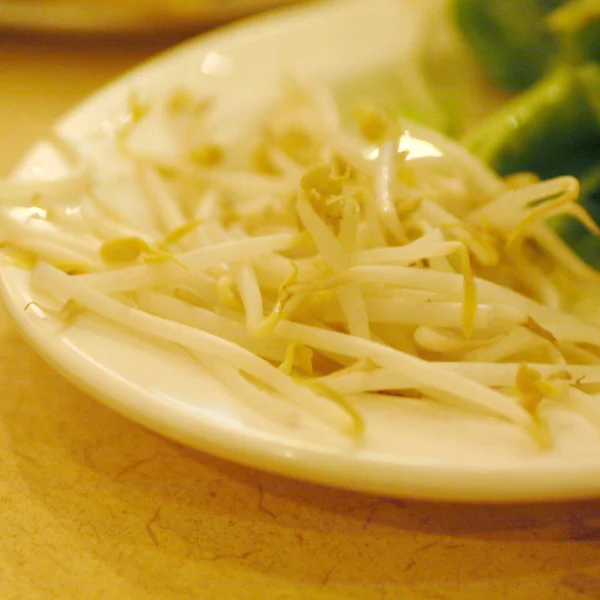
313	262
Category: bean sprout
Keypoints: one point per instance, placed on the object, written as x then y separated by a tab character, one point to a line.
320	265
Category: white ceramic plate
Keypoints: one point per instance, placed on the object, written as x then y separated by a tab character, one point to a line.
411	448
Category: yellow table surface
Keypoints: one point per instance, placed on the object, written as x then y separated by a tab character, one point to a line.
93	506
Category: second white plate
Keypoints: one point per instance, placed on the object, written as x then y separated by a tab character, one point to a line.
134	17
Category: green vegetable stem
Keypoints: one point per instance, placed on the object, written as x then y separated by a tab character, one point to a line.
551	129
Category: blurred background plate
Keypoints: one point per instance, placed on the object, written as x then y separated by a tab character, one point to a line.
83	17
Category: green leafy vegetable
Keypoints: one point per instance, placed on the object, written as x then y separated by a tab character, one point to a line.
511	38
553	127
